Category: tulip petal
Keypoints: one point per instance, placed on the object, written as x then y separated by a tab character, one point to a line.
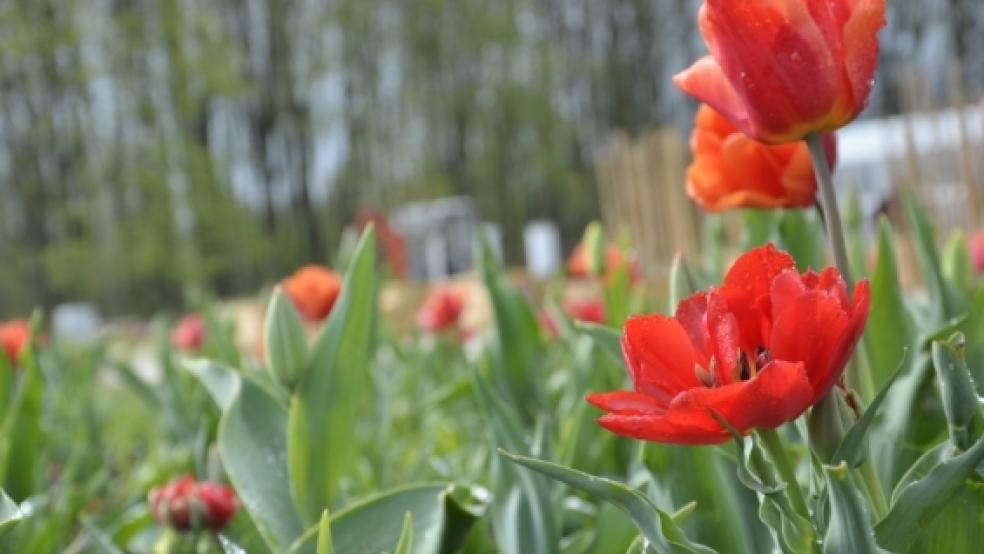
705	81
660	356
779	393
625	402
861	46
692	315
747	286
815	329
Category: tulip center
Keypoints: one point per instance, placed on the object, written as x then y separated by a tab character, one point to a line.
746	368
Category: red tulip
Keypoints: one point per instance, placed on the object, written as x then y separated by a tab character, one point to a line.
189	333
14	336
758	351
588	311
313	289
782	69
977	251
184	504
731	170
441	310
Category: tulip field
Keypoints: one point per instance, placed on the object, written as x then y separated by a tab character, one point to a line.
778	392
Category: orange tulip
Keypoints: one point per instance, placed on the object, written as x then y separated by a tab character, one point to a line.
780	70
14	336
731	170
313	289
577	264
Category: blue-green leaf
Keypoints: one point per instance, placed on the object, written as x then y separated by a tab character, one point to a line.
850	527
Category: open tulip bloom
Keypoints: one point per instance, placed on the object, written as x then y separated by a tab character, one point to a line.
757	352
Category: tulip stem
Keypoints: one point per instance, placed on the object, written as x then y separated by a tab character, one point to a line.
828	200
773	445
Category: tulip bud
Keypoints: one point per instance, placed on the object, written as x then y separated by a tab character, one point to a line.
960	401
284	341
828	424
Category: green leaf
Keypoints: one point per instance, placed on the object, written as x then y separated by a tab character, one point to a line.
517	348
229	547
890	328
441	516
942	305
325	407
957	266
98	539
405	544
960	401
798	235
683	284
757	227
22	437
657	526
852	448
609	339
523	512
221	381
252	443
284	340
10	513
918	504
325	544
850	528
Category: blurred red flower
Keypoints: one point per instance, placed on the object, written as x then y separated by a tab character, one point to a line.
578	266
758	351
184	504
441	310
591	310
189	333
731	170
14	336
977	251
313	289
783	69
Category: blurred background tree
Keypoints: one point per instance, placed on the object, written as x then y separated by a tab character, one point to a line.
152	146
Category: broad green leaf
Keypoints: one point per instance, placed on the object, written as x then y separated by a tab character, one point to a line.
957	529
252	443
405	544
609	339
618	286
658	527
325	544
890	328
516	350
441	516
325	407
918	504
852	448
284	340
219	340
850	527
960	401
10	513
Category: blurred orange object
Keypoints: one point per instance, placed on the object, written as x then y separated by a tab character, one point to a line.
313	289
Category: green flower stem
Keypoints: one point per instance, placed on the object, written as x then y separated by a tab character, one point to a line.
773	445
828	199
838	246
